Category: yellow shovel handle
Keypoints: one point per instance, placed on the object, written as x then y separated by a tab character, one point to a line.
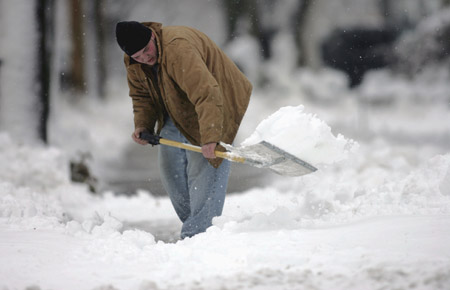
225	155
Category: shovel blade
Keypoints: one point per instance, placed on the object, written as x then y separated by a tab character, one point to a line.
267	155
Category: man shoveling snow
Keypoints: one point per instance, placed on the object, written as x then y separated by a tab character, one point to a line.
184	87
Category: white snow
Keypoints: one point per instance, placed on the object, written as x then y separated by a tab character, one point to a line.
302	135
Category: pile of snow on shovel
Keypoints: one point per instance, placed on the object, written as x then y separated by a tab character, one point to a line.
303	135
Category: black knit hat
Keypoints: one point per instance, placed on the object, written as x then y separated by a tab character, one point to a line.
132	36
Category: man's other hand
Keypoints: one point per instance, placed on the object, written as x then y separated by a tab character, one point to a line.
136	133
208	150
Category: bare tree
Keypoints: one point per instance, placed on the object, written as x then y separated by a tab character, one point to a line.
44	13
249	10
299	30
100	47
77	75
95	47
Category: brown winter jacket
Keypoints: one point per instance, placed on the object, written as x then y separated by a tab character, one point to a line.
196	84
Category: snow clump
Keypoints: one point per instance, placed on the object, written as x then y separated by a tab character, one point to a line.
302	135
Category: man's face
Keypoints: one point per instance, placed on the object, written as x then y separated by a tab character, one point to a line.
147	55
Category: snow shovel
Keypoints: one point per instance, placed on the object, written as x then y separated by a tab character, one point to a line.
261	155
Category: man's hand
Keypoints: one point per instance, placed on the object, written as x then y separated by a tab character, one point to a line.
208	150
135	136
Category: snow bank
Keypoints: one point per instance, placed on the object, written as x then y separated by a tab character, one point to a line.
24	208
302	135
36	192
27	177
35	167
356	190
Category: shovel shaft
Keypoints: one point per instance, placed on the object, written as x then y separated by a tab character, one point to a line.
261	155
194	148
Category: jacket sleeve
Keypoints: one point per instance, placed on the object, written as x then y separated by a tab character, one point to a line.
192	75
143	106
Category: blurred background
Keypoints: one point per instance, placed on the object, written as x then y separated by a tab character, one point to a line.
367	67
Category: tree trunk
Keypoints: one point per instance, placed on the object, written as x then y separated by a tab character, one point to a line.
44	15
100	48
233	11
77	76
236	9
299	31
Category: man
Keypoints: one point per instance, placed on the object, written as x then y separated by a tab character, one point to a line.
184	88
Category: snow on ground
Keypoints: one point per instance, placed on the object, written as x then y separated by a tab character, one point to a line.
349	228
378	219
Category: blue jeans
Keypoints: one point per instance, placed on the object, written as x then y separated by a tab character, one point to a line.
197	189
